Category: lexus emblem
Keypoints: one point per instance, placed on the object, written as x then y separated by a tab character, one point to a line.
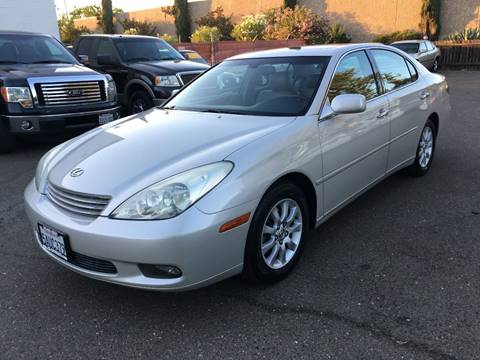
75	92
76	172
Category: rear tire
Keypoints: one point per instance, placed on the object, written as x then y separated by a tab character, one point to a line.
435	65
425	150
139	101
7	140
277	234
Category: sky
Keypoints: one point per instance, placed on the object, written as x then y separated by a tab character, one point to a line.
126	5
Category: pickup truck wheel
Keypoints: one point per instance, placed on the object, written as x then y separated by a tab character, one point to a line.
139	101
7	140
277	234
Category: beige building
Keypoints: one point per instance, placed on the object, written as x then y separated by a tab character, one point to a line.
363	18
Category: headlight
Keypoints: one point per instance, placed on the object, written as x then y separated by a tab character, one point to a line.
19	95
167	81
172	196
111	91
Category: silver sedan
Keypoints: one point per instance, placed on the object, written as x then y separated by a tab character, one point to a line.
233	173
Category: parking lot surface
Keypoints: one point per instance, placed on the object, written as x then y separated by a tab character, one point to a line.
395	275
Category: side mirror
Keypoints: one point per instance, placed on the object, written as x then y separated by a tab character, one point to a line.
349	104
106	60
84	59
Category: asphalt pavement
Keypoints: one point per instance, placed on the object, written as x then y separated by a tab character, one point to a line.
394	275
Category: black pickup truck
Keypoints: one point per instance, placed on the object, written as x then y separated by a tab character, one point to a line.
44	89
146	69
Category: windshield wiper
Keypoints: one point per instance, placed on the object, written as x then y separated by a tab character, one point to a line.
171	107
140	59
219	111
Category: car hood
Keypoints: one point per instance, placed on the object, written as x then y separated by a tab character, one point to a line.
23	71
133	153
169	66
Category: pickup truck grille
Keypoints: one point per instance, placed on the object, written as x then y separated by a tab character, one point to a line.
77	203
188	77
70	93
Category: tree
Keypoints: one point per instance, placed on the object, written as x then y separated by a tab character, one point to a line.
251	28
290	3
135	27
107	16
206	34
430	18
182	20
68	32
216	18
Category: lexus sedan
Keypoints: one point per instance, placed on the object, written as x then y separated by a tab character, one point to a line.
233	172
422	50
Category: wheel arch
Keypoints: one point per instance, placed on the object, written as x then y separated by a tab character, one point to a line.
137	84
306	186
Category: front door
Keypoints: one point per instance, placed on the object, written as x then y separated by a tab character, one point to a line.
354	146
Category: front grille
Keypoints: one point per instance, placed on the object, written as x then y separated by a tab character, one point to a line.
92	264
77	203
187	77
68	93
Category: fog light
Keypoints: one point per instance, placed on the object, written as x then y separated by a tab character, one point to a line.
160	271
26	125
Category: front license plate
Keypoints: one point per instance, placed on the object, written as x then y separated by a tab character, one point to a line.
53	241
105	119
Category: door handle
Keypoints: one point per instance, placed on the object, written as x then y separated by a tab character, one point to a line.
382	113
424	95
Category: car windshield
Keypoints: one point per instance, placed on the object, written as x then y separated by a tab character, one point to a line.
264	86
145	49
31	49
409	48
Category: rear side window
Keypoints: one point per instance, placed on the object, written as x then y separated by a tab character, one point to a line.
413	71
354	75
423	47
84	46
105	47
393	69
429	45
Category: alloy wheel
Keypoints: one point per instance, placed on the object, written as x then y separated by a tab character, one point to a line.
281	234
425	149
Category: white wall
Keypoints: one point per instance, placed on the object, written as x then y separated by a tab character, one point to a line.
29	15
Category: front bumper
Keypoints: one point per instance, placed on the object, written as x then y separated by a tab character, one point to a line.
190	241
58	122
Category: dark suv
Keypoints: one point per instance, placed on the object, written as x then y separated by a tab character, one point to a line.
45	89
146	69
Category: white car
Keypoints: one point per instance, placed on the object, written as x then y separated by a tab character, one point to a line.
236	169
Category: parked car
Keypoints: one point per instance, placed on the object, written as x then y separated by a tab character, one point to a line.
44	89
146	69
237	168
193	56
423	50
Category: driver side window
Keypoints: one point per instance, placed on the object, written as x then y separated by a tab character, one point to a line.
354	75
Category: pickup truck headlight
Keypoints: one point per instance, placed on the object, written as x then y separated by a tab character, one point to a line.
20	95
170	197
167	81
111	90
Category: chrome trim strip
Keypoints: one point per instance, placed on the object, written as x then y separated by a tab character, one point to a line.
80	113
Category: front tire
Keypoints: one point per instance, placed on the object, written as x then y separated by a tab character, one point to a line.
277	234
425	150
7	140
140	101
435	65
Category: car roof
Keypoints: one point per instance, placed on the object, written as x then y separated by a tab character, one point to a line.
119	36
310	50
409	41
26	33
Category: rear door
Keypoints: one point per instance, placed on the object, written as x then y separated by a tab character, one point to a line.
354	146
104	47
407	98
